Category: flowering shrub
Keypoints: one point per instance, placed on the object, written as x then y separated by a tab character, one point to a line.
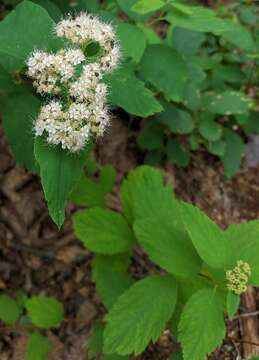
202	270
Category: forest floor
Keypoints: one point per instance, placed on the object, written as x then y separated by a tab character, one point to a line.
36	257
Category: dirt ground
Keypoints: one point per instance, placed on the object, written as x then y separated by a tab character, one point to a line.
36	257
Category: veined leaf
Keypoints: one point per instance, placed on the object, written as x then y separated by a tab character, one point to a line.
60	171
202	327
140	315
103	231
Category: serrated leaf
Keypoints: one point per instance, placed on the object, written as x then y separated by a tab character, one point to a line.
110	280
202	327
165	69
9	310
233	153
140	315
130	93
19	112
167	244
152	136
17	45
141	193
132	40
233	302
243	243
206	236
60	171
145	6
37	347
103	231
229	102
45	312
176	153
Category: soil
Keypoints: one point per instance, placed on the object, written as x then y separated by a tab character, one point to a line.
36	257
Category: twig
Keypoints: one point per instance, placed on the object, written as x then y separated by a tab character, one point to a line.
253	313
232	338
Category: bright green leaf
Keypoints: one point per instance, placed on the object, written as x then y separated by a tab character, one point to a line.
233	302
202	326
103	231
145	6
37	347
150	303
206	236
45	312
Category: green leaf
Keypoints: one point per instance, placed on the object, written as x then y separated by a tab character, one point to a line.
202	327
103	231
206	236
233	302
60	171
146	6
140	315
177	356
33	30
95	341
229	102
233	153
208	128
198	18
187	42
241	37
141	193
177	120
176	153
153	157
114	357
217	147
51	8
107	178
152	136
167	244
110	280
45	312
130	93
132	40
37	347
9	310
91	193
19	111
165	69
243	243
126	6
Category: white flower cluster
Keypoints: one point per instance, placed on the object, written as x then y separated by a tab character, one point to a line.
79	109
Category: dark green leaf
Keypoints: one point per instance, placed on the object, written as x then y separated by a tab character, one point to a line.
9	310
60	171
152	136
176	153
233	153
165	69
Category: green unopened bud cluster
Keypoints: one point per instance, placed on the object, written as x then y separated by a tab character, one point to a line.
238	277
